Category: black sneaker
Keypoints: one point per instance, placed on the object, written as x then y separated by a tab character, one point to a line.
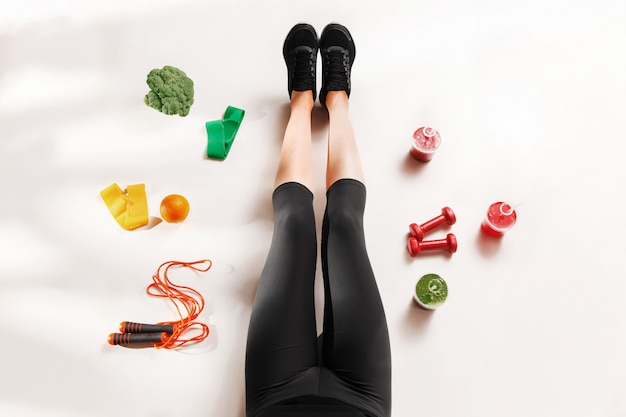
338	51
300	53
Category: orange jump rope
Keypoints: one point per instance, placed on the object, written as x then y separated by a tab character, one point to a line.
188	302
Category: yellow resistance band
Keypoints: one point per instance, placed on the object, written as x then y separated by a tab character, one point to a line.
130	208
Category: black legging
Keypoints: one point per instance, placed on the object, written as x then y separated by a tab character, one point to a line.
283	364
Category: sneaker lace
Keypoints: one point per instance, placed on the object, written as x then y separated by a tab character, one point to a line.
303	69
337	69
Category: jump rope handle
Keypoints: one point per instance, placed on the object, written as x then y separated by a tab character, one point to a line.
132	327
126	339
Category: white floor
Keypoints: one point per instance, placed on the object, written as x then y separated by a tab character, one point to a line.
530	100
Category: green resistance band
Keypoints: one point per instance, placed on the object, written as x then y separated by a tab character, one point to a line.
221	133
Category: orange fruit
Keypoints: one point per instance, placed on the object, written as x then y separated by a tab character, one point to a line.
174	208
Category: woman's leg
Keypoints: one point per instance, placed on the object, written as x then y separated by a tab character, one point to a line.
355	339
282	338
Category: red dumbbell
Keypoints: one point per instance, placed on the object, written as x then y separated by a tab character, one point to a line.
419	230
415	246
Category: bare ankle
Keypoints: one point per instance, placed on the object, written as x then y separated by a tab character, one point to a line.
302	99
336	98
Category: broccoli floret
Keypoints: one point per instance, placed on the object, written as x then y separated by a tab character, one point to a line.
171	91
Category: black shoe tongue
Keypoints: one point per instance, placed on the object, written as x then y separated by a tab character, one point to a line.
338	70
304	71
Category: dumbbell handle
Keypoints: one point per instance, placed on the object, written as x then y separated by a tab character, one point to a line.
415	247
418	230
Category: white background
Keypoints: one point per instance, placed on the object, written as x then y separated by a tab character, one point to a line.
530	100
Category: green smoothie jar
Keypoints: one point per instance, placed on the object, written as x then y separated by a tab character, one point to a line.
431	292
